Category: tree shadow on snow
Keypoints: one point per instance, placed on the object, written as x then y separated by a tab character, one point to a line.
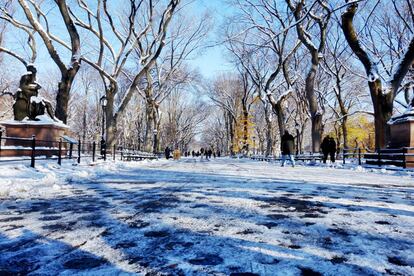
128	209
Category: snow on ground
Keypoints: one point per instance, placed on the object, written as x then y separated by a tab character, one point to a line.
193	217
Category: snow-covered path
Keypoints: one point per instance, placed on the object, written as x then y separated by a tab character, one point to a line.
219	217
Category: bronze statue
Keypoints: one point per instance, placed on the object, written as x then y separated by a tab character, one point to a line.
27	103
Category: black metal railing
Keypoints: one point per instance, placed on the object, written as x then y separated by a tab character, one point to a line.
14	149
400	157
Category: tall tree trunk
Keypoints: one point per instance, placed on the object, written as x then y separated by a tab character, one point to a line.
322	22
345	131
231	132
245	128
150	126
110	120
84	125
280	117
269	138
383	107
316	116
63	95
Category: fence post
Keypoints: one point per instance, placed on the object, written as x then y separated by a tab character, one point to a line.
1	136
405	151
79	151
113	151
379	156
32	163
93	151
60	152
359	157
70	150
343	155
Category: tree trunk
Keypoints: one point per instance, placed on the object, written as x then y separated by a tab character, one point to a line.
62	97
84	125
345	131
316	116
150	126
245	129
269	139
280	118
110	120
231	132
383	107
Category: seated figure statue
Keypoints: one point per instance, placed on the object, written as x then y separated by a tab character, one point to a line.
27	103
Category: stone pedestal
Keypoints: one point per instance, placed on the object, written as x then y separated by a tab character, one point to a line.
47	138
402	132
402	135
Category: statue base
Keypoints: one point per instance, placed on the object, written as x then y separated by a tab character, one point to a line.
402	135
402	131
47	135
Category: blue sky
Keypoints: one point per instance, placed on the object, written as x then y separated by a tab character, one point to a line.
210	62
213	60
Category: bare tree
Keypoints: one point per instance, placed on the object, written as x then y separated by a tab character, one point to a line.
170	71
139	32
346	97
305	15
182	120
225	93
264	52
383	93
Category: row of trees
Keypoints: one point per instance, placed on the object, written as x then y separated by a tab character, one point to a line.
132	52
311	64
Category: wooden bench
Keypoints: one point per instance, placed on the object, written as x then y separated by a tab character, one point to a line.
391	157
309	157
301	157
264	158
137	156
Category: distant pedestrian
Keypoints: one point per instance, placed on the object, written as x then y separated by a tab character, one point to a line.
287	147
167	152
193	153
328	147
209	153
332	149
202	152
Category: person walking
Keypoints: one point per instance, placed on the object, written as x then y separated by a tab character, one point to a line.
167	152
332	149
325	148
288	148
210	153
328	147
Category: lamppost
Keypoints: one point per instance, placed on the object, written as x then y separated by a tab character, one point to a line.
297	138
155	141
254	145
103	101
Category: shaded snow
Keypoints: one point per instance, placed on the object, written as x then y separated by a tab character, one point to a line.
195	217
